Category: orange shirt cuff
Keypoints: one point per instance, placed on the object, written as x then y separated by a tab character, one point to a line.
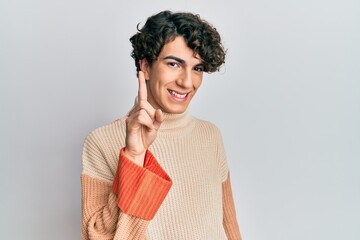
140	190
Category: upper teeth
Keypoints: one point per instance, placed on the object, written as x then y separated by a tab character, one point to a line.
178	95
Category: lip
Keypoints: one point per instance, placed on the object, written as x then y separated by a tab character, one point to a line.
178	96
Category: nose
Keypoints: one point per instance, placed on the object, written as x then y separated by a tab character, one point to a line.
185	79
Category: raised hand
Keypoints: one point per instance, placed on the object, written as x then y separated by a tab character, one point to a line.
142	124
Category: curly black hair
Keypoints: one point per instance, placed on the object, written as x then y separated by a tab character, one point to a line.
163	27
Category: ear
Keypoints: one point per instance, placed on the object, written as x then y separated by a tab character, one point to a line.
145	68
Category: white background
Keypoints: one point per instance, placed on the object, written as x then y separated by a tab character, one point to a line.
287	103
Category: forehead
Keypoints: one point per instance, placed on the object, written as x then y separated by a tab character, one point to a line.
180	49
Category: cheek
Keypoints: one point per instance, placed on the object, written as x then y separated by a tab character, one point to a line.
197	82
157	85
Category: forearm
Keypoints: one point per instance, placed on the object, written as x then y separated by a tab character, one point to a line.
122	209
140	190
99	209
102	218
229	214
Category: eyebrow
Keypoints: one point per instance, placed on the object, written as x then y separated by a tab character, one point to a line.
181	61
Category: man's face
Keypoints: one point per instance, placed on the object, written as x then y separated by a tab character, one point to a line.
173	79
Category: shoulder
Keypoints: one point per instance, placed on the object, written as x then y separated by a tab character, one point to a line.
101	150
207	127
206	124
106	132
106	136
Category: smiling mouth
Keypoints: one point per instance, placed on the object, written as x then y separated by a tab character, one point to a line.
177	94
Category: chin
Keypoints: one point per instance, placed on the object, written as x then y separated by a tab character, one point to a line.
175	110
179	112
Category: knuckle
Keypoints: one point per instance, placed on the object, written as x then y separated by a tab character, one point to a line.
142	104
142	112
127	120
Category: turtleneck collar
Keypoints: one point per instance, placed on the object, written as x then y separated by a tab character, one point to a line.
176	125
175	121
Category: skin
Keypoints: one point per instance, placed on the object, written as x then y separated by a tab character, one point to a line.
167	85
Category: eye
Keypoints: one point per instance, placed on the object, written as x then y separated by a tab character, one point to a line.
199	68
173	64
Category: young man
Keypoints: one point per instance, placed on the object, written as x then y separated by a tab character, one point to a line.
159	173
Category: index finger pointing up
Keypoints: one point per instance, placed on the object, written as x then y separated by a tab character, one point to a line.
142	93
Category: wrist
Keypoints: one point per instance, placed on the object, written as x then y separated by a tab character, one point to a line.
136	158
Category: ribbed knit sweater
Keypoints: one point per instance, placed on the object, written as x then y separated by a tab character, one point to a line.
182	192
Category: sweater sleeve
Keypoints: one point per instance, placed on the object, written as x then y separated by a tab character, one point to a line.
229	214
123	208
140	190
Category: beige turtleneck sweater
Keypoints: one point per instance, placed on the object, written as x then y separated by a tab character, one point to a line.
182	192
